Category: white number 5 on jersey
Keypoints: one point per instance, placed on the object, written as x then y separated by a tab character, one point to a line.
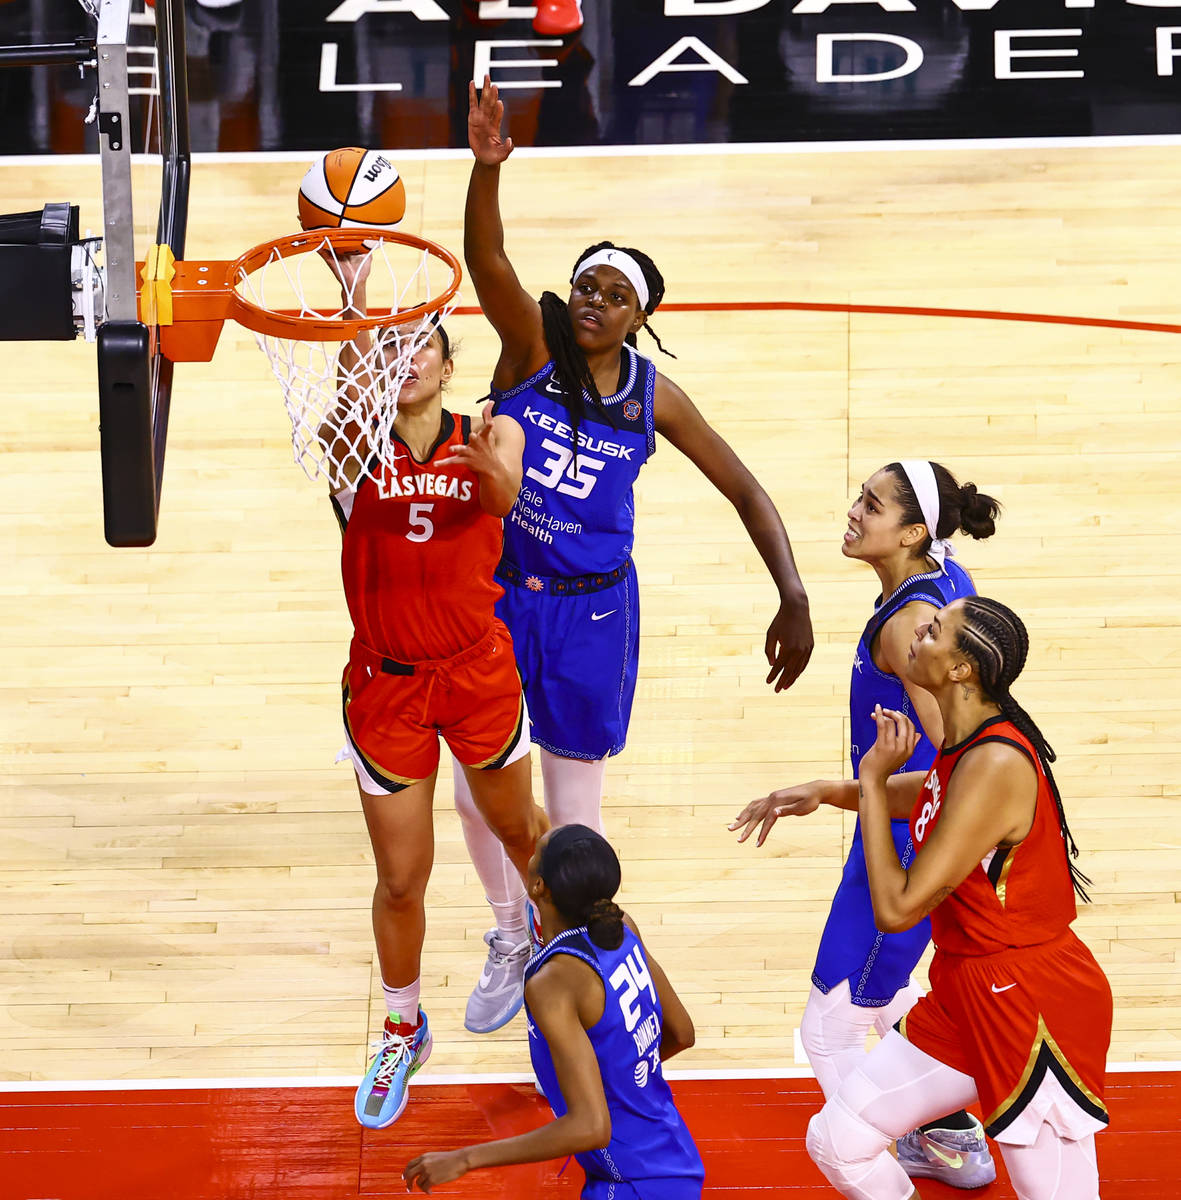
422	526
629	979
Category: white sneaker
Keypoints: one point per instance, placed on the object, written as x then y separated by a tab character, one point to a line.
956	1157
500	991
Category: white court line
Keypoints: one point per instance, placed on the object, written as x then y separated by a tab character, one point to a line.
311	1081
717	149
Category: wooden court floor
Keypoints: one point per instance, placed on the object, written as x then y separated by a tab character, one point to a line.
184	873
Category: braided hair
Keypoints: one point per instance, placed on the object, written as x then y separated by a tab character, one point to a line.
995	638
580	393
582	872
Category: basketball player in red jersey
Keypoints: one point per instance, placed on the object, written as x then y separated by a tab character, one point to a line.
1019	1012
428	657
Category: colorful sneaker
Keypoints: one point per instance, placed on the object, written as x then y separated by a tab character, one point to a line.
383	1093
500	991
533	923
956	1157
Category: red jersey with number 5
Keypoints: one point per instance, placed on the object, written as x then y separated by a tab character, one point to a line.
417	565
1018	895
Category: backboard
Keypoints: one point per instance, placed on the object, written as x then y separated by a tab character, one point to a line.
143	131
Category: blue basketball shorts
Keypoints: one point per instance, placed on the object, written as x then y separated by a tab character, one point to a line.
852	947
578	656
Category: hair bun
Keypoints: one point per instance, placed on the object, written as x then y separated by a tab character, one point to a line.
604	924
978	512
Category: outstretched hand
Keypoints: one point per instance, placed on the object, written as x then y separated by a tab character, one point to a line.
789	644
895	743
796	801
481	452
485	112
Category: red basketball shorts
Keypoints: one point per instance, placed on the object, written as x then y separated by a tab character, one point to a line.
394	713
1007	1019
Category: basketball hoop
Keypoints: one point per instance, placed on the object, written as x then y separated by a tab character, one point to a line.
340	373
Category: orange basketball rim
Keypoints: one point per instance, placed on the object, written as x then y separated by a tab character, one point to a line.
189	301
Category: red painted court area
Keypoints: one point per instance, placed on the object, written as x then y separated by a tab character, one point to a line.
303	1143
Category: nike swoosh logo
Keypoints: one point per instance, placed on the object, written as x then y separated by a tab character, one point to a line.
998	990
600	616
954	1161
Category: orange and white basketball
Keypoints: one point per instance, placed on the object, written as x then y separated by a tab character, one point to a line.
351	187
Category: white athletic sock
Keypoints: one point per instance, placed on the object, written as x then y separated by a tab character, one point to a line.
402	1003
502	885
510	919
573	790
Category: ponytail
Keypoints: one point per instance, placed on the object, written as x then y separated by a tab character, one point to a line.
604	924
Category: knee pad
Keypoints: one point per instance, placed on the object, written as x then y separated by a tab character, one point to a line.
818	1140
845	1147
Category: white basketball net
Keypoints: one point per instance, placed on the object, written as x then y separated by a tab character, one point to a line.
342	397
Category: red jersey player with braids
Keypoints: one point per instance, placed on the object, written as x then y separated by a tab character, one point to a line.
428	658
1019	1012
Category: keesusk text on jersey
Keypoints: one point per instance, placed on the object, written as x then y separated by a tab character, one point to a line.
585	441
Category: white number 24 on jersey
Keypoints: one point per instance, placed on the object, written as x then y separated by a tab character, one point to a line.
629	979
580	477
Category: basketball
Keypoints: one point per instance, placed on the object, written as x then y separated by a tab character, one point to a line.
351	187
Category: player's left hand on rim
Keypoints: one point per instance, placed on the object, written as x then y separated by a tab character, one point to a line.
789	644
480	452
429	1169
895	743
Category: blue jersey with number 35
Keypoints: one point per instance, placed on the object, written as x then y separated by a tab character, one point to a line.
575	514
650	1146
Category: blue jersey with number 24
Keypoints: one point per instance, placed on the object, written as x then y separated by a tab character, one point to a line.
651	1146
575	514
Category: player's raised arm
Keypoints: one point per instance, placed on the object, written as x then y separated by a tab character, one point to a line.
344	440
512	311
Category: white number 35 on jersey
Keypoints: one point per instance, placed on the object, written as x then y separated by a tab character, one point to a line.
580	477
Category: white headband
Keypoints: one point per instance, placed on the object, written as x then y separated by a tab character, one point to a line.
624	264
921	475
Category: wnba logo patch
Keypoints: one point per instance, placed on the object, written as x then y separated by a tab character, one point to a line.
632	409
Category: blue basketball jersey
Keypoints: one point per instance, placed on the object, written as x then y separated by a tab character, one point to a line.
869	685
575	514
649	1139
852	947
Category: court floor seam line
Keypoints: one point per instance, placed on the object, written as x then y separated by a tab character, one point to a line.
13	1087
